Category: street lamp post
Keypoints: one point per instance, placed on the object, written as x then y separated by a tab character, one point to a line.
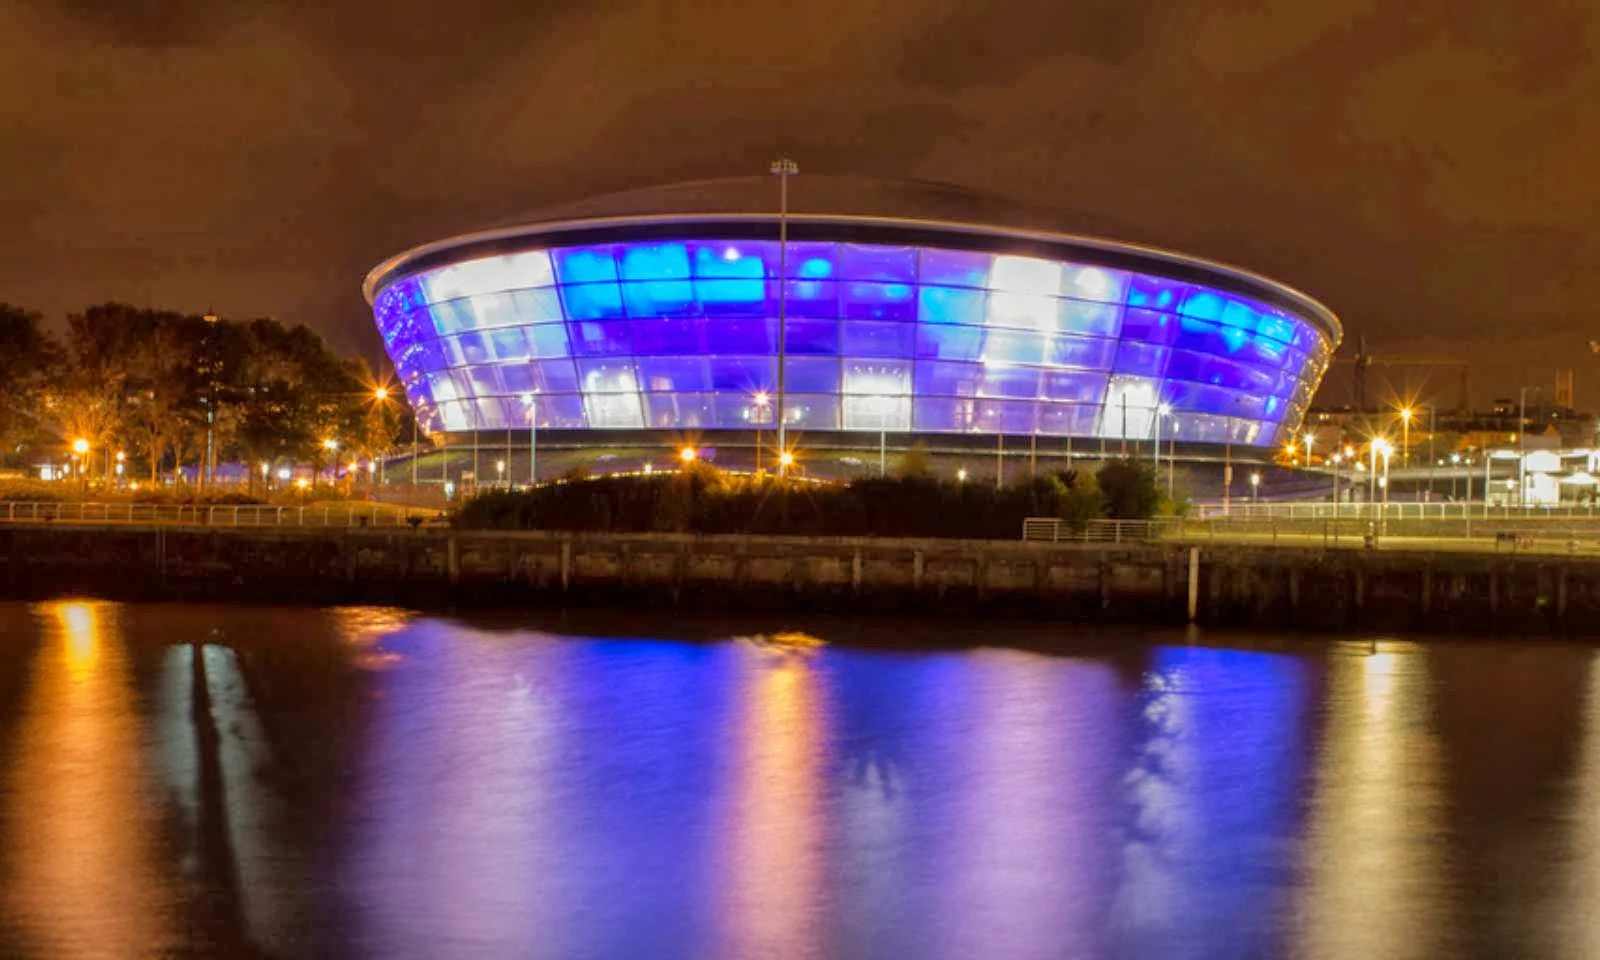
1455	463
761	401
208	468
1405	436
1255	488
1336	459
532	400
332	446
1522	450
783	168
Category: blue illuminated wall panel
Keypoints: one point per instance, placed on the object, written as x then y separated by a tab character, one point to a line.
682	333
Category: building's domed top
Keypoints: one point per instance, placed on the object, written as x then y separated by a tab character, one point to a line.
850	194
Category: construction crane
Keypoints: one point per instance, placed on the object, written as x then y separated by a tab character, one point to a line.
1363	360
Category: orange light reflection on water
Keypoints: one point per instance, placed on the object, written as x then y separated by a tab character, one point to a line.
81	865
775	881
1376	818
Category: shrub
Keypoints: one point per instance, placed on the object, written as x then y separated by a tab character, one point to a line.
1130	490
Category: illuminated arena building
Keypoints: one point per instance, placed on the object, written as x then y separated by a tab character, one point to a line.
912	311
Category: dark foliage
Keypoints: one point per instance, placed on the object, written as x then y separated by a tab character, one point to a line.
702	500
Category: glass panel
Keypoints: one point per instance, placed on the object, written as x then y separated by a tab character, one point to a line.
613	410
1023	311
538	306
739	410
1006	416
1093	319
877	413
443	387
455	416
865	338
660	298
593	301
947	379
453	316
518	378
734	259
1072	420
879	301
946	414
811	375
673	337
746	374
877	378
812	336
586	264
1216	371
681	410
466	348
949	342
608	376
1008	381
1094	283
749	336
812	411
955	268
1073	386
1148	326
1156	293
812	261
555	376
1142	359
601	338
734	298
660	374
561	411
810	298
1013	346
548	340
1025	276
950	305
896	265
508	344
1130	408
1088	353
488	275
484	381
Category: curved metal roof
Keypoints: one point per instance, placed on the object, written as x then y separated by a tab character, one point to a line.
939	215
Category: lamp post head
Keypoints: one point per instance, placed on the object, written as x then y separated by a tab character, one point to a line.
330	444
80	446
381	393
687	454
784	167
785	458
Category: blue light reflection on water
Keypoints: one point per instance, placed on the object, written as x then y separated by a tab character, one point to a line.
570	796
390	785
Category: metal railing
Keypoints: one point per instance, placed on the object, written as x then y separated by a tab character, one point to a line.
218	515
1052	530
1315	510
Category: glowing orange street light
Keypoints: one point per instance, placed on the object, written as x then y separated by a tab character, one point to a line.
80	446
687	454
381	393
785	459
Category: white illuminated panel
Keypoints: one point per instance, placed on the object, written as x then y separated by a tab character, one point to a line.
513	271
1130	408
1093	283
1023	293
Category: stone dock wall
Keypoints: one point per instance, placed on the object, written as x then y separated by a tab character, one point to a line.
1302	588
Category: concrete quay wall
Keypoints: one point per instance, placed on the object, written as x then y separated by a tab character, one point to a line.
1256	586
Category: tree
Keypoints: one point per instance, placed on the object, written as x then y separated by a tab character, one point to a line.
29	361
1130	489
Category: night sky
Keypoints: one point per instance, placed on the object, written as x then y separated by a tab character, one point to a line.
1427	168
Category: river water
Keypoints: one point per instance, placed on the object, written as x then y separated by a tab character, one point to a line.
368	783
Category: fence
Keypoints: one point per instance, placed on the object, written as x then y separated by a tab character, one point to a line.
1394	511
252	515
1052	530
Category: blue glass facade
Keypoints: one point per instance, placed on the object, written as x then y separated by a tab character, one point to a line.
683	334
